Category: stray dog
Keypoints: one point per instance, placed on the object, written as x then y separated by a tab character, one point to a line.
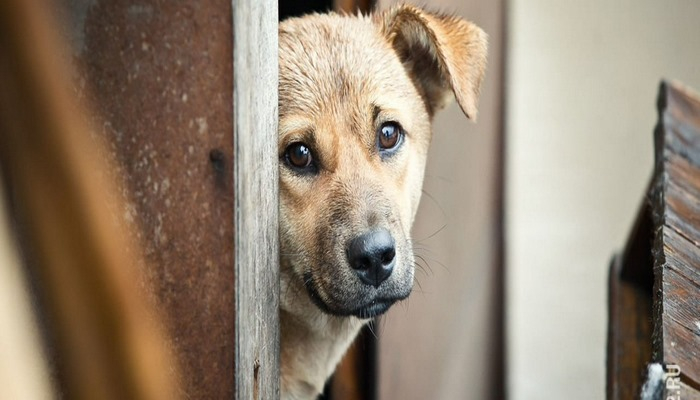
357	95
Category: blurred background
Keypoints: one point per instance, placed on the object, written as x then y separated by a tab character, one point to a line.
582	79
521	214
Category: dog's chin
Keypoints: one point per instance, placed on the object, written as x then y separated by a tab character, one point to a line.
372	308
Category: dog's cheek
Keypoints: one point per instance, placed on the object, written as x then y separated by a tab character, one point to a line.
413	187
292	248
330	233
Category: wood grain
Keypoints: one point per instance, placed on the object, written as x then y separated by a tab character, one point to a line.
654	313
629	314
676	214
684	393
256	216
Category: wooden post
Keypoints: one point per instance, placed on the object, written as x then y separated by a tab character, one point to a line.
256	201
104	333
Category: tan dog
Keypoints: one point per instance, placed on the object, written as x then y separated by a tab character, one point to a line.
357	96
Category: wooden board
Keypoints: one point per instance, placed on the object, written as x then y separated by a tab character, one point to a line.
256	186
629	313
675	204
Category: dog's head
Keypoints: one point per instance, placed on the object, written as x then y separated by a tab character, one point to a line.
357	95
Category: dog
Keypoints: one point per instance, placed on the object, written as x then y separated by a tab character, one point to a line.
357	95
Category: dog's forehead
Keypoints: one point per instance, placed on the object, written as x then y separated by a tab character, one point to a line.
332	60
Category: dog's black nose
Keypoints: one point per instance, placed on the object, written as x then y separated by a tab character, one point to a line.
372	256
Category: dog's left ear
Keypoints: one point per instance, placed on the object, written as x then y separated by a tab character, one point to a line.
442	54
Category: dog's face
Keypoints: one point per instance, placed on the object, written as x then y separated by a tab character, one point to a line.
357	95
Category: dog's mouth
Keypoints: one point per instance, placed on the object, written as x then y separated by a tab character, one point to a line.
373	308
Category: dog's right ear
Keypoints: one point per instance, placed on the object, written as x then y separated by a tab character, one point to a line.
442	54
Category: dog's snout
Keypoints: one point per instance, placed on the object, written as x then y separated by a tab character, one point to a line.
372	255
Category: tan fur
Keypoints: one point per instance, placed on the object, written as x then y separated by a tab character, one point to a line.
341	77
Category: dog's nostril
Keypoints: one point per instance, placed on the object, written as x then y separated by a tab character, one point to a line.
363	263
388	256
372	256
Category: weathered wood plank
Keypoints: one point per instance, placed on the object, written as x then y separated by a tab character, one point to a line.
676	214
681	322
686	393
629	333
256	218
679	391
682	206
682	172
681	257
680	123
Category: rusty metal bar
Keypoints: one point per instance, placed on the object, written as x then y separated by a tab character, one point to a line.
160	75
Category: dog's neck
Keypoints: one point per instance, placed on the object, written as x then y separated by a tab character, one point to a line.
311	346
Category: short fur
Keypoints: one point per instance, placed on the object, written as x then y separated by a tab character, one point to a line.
341	77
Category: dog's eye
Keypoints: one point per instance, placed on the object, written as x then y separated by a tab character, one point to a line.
389	136
298	155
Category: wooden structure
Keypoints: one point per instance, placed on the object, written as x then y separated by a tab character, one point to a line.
655	284
184	97
255	177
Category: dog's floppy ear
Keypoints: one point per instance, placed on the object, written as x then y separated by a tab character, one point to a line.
442	54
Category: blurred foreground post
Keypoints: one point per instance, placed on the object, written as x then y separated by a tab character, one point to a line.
105	335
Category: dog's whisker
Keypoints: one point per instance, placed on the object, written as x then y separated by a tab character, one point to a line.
428	195
422	248
435	260
421	268
417	281
440	177
407	305
384	322
433	234
420	258
370	325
